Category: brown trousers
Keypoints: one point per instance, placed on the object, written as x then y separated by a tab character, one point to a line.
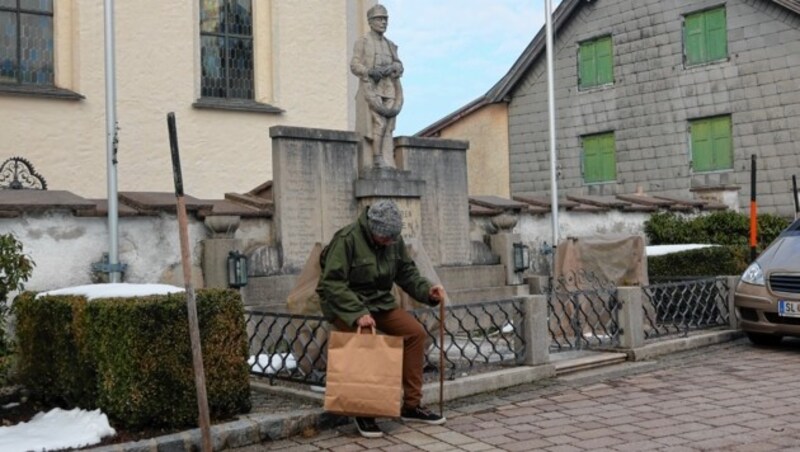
398	322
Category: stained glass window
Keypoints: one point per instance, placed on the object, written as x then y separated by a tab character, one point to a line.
226	48
26	42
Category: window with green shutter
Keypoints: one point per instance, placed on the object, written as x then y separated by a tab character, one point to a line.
595	62
705	36
712	148
599	158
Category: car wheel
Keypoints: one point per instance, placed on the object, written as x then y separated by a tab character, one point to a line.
764	339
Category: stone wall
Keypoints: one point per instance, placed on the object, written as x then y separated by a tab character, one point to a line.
654	97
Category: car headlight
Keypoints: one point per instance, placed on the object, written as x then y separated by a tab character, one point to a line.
753	275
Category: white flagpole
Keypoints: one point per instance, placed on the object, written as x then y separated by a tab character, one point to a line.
551	110
111	144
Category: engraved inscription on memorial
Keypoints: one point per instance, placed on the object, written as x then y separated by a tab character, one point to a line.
299	197
314	191
444	210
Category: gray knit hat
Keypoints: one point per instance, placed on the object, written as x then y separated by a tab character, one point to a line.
384	219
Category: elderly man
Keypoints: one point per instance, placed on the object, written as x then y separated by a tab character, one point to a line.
359	267
378	68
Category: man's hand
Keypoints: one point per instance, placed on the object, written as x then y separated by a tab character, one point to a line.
436	293
365	321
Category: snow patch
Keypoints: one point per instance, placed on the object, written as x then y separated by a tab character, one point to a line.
115	290
660	250
56	429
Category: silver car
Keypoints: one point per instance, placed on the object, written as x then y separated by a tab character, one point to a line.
767	297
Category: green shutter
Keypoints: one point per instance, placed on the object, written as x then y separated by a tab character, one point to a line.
605	66
599	158
716	35
705	36
701	146
721	143
590	157
712	147
608	156
693	39
588	72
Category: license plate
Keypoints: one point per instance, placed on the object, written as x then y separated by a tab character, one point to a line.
788	308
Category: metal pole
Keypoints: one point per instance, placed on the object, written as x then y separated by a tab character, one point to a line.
111	144
441	356
753	209
794	195
191	305
551	111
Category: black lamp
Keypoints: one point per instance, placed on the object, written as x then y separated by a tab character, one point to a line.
237	269
522	257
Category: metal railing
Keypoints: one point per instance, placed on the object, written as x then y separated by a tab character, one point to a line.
476	335
676	308
583	312
292	347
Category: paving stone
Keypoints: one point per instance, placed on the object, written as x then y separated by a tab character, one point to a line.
684	403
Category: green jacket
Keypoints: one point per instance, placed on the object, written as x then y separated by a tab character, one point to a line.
357	274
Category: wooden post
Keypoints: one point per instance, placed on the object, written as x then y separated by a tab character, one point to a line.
191	306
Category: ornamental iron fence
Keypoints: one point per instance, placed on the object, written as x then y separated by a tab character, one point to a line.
583	312
676	308
293	347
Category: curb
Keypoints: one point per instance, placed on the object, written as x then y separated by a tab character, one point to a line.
250	429
256	428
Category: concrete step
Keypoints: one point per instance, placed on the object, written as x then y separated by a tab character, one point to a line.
580	360
471	277
467	296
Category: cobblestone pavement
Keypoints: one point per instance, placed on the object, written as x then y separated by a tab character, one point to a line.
732	396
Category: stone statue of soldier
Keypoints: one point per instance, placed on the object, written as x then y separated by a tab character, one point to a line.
380	95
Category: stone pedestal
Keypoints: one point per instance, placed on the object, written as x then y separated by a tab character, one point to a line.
216	249
502	244
314	170
319	189
444	207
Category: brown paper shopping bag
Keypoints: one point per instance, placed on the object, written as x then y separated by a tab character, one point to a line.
365	373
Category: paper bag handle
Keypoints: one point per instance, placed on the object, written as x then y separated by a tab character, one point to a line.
372	327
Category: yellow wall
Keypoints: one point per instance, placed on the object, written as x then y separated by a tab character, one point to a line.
487	158
303	53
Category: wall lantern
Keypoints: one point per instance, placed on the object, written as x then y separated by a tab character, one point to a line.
522	257
237	269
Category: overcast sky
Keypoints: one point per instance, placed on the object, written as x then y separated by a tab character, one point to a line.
453	51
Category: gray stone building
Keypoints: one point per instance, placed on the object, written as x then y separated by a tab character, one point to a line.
668	97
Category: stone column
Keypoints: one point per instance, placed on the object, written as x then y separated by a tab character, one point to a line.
631	317
536	334
216	249
502	244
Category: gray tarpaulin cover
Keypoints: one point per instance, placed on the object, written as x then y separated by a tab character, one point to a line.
618	258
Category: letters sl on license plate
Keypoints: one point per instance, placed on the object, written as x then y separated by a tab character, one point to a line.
788	308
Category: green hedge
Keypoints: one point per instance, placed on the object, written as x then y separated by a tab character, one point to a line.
730	230
131	357
718	228
52	358
711	261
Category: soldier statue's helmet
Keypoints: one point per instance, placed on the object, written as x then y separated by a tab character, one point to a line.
377	11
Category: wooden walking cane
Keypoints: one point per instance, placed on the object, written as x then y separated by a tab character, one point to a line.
441	356
194	329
